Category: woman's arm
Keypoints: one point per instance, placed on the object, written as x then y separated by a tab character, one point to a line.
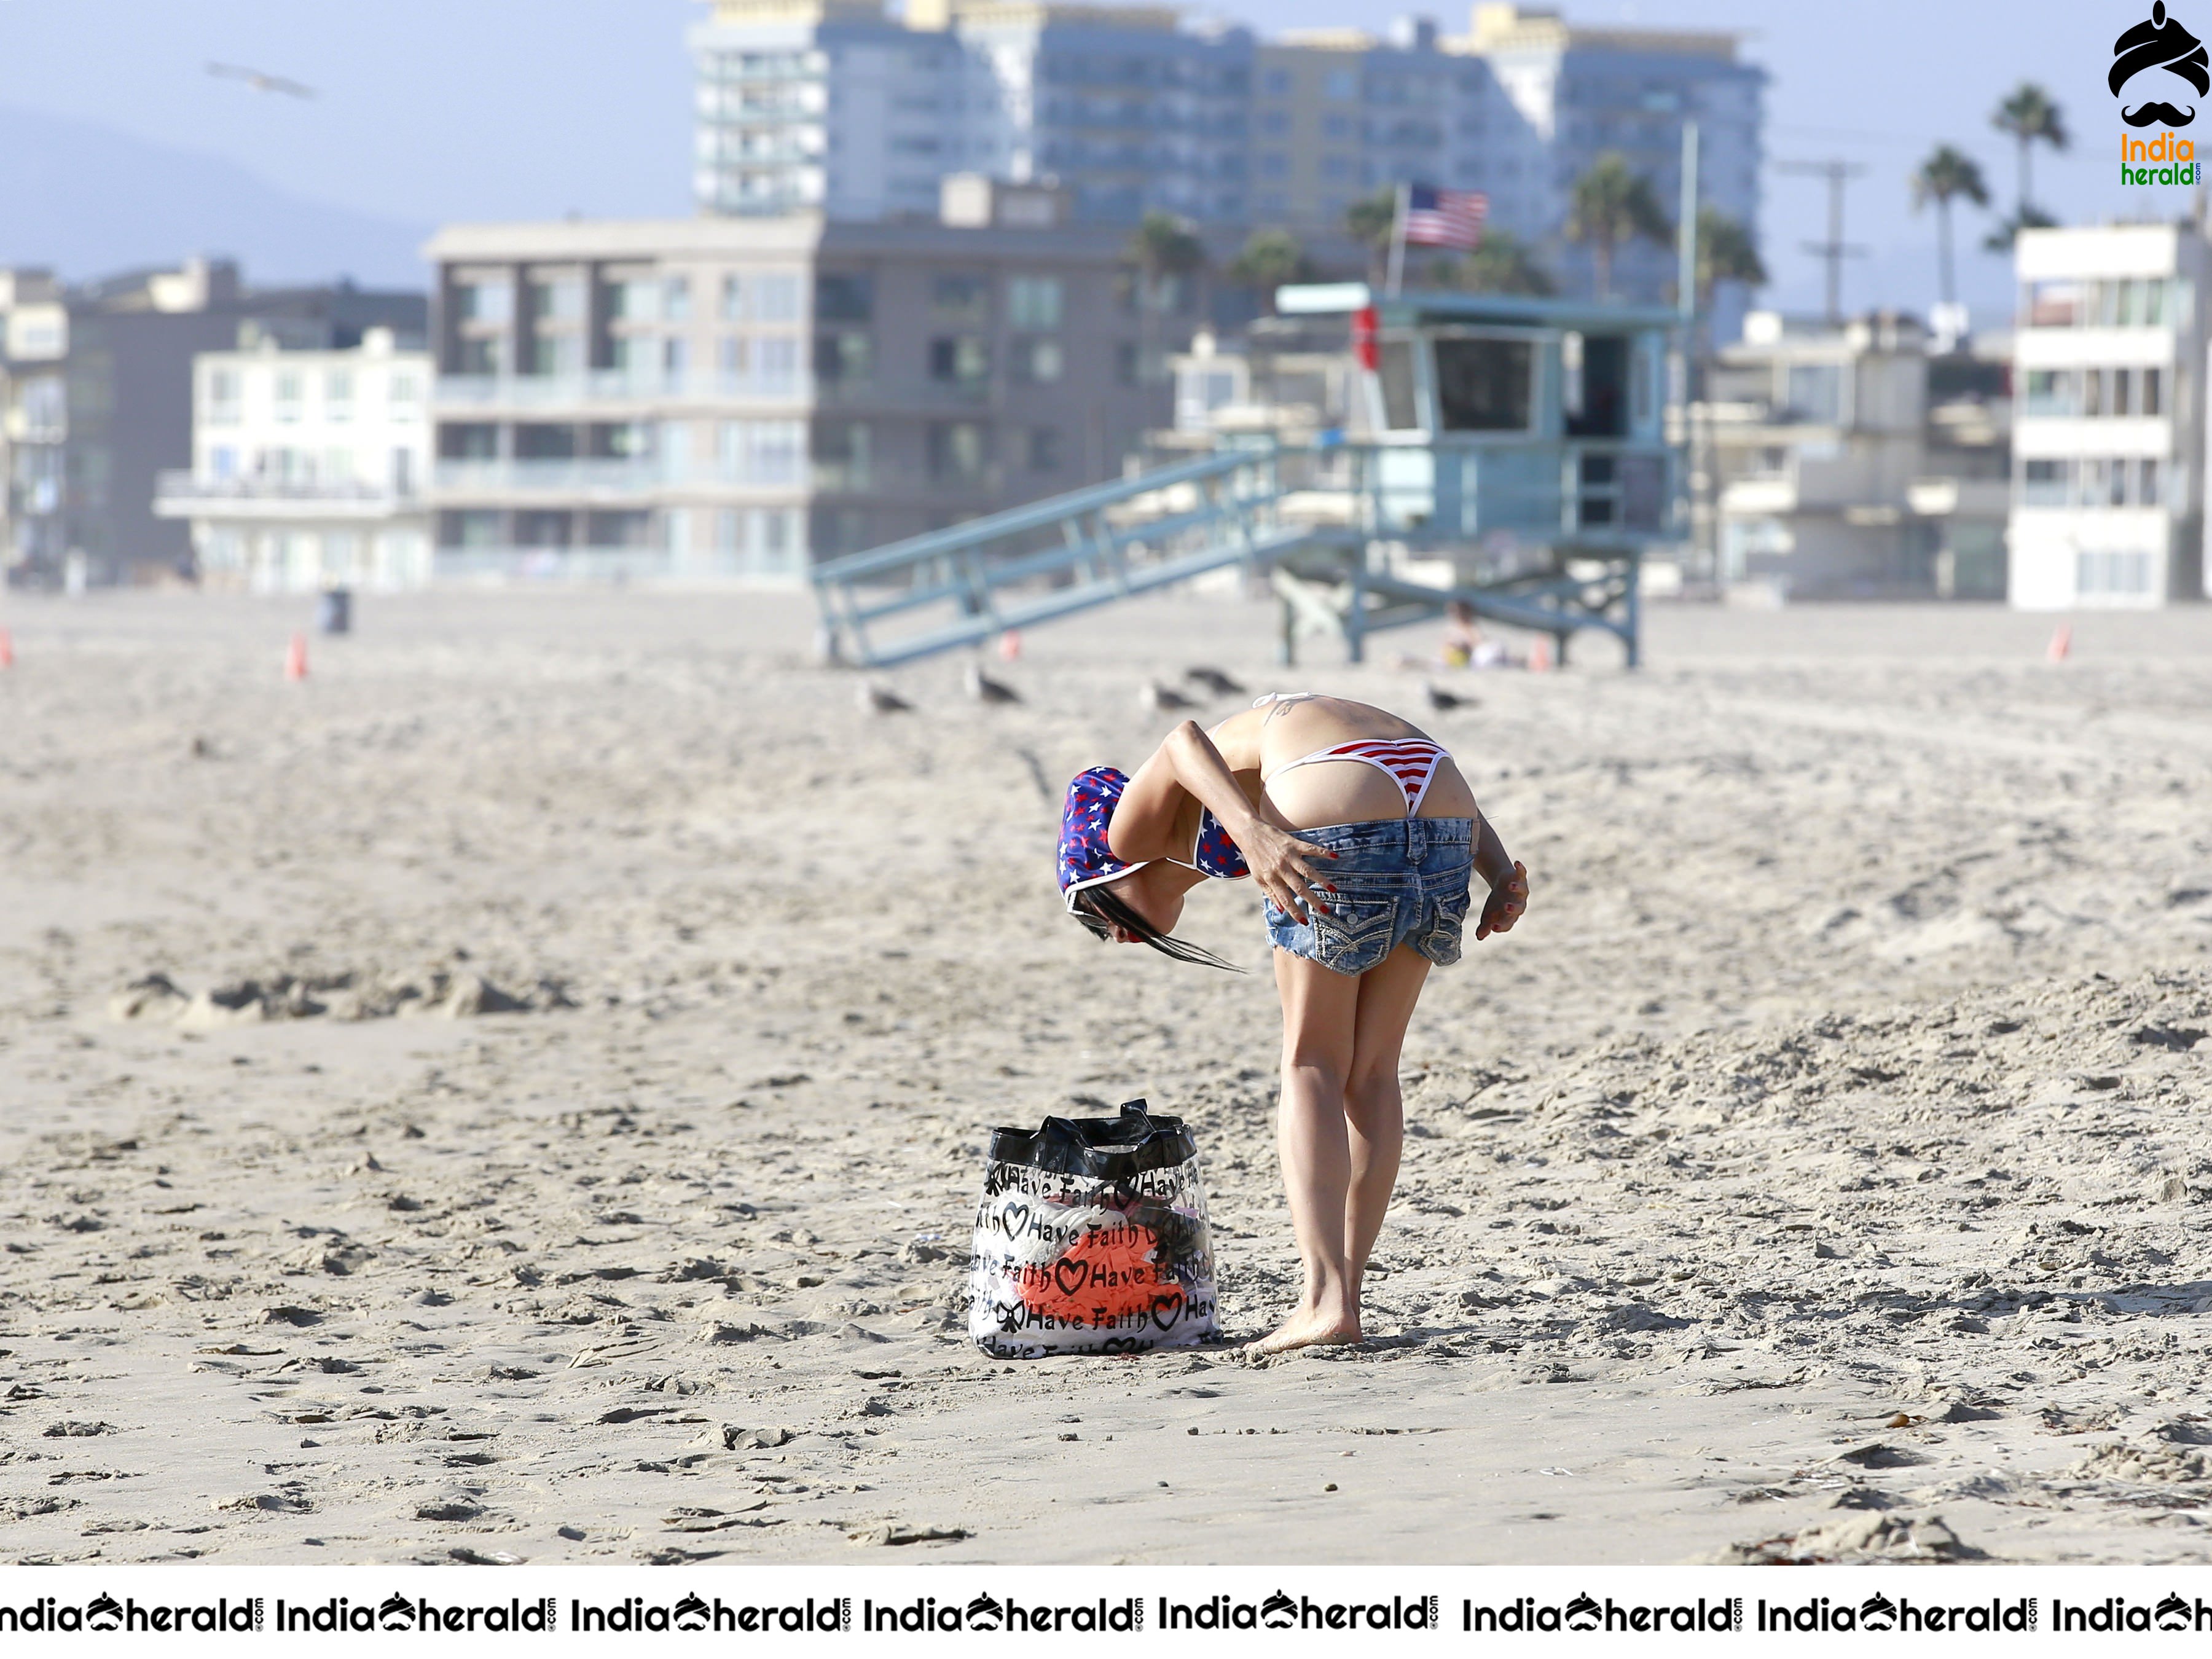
1187	763
1508	882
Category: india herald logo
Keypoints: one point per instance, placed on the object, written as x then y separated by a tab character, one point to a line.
2159	44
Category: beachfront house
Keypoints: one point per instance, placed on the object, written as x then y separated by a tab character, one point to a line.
307	466
2107	508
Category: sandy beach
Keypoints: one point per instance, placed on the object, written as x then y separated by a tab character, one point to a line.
521	1094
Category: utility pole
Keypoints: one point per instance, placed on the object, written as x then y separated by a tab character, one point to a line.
1835	250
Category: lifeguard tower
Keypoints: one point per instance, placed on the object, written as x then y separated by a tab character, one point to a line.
1509	456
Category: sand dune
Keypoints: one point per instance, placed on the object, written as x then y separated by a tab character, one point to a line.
521	1095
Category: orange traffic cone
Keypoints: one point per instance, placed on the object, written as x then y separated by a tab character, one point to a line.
295	660
7	650
1539	656
1010	645
2061	641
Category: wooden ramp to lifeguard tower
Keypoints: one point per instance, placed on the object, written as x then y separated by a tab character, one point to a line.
1517	470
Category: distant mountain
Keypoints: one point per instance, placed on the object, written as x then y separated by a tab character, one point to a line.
86	200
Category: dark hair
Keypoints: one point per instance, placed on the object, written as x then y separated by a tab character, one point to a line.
1102	910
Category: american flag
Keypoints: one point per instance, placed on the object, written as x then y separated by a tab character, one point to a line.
1445	218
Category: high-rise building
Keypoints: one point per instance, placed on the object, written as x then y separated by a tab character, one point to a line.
832	104
719	398
97	385
2109	433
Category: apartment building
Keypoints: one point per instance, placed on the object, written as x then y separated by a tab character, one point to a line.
725	399
2109	434
832	104
97	381
308	467
1852	463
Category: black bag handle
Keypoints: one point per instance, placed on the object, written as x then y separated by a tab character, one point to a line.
1098	1148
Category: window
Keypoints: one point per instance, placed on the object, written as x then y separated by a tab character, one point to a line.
1340	167
1127	363
1274	164
843	358
1396	372
2152	389
557	299
676	300
634	300
842	450
734	358
2124	385
2146	483
733	299
406	395
961	360
485	355
2092	391
288	396
485	300
1038	362
1341	85
2055	304
1815	392
1484	385
961	298
1274	123
776	298
1336	126
1276	82
763	452
2052	392
2112	572
1034	302
775	363
844	297
337	395
956	451
222	396
2046	483
1044	449
557	354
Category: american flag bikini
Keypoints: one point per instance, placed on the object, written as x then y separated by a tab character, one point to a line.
1412	761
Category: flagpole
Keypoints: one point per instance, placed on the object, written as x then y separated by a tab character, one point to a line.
1398	241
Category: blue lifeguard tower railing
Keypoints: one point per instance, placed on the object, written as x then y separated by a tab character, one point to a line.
1513	460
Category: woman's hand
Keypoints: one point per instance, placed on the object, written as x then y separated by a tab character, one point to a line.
1278	861
1507	900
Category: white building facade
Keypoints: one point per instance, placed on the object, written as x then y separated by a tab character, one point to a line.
2109	429
308	468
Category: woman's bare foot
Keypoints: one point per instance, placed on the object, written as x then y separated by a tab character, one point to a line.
1306	1328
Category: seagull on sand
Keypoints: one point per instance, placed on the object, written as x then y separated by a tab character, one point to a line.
1220	684
1441	700
984	689
1162	699
880	700
259	81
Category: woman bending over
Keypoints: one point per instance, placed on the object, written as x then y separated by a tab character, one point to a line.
1363	837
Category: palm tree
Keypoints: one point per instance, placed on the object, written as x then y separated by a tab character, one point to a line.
1609	205
1726	253
1947	174
1372	221
1268	259
2031	118
1503	264
1163	245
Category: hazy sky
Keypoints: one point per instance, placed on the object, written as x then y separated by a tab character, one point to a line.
432	109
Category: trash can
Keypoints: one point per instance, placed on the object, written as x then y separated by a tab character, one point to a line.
334	611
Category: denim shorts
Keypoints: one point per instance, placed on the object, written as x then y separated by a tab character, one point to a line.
1397	880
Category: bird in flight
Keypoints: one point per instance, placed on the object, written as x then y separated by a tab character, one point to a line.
259	82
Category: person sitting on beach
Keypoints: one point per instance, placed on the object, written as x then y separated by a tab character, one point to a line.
1362	836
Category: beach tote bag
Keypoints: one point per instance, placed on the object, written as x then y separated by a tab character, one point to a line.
1091	1238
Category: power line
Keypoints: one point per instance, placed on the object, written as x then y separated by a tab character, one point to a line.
1834	251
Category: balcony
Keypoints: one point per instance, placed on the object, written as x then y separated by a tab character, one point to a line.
613	387
187	495
614	480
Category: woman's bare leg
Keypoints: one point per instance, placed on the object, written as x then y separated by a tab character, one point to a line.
1372	1107
1320	1011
